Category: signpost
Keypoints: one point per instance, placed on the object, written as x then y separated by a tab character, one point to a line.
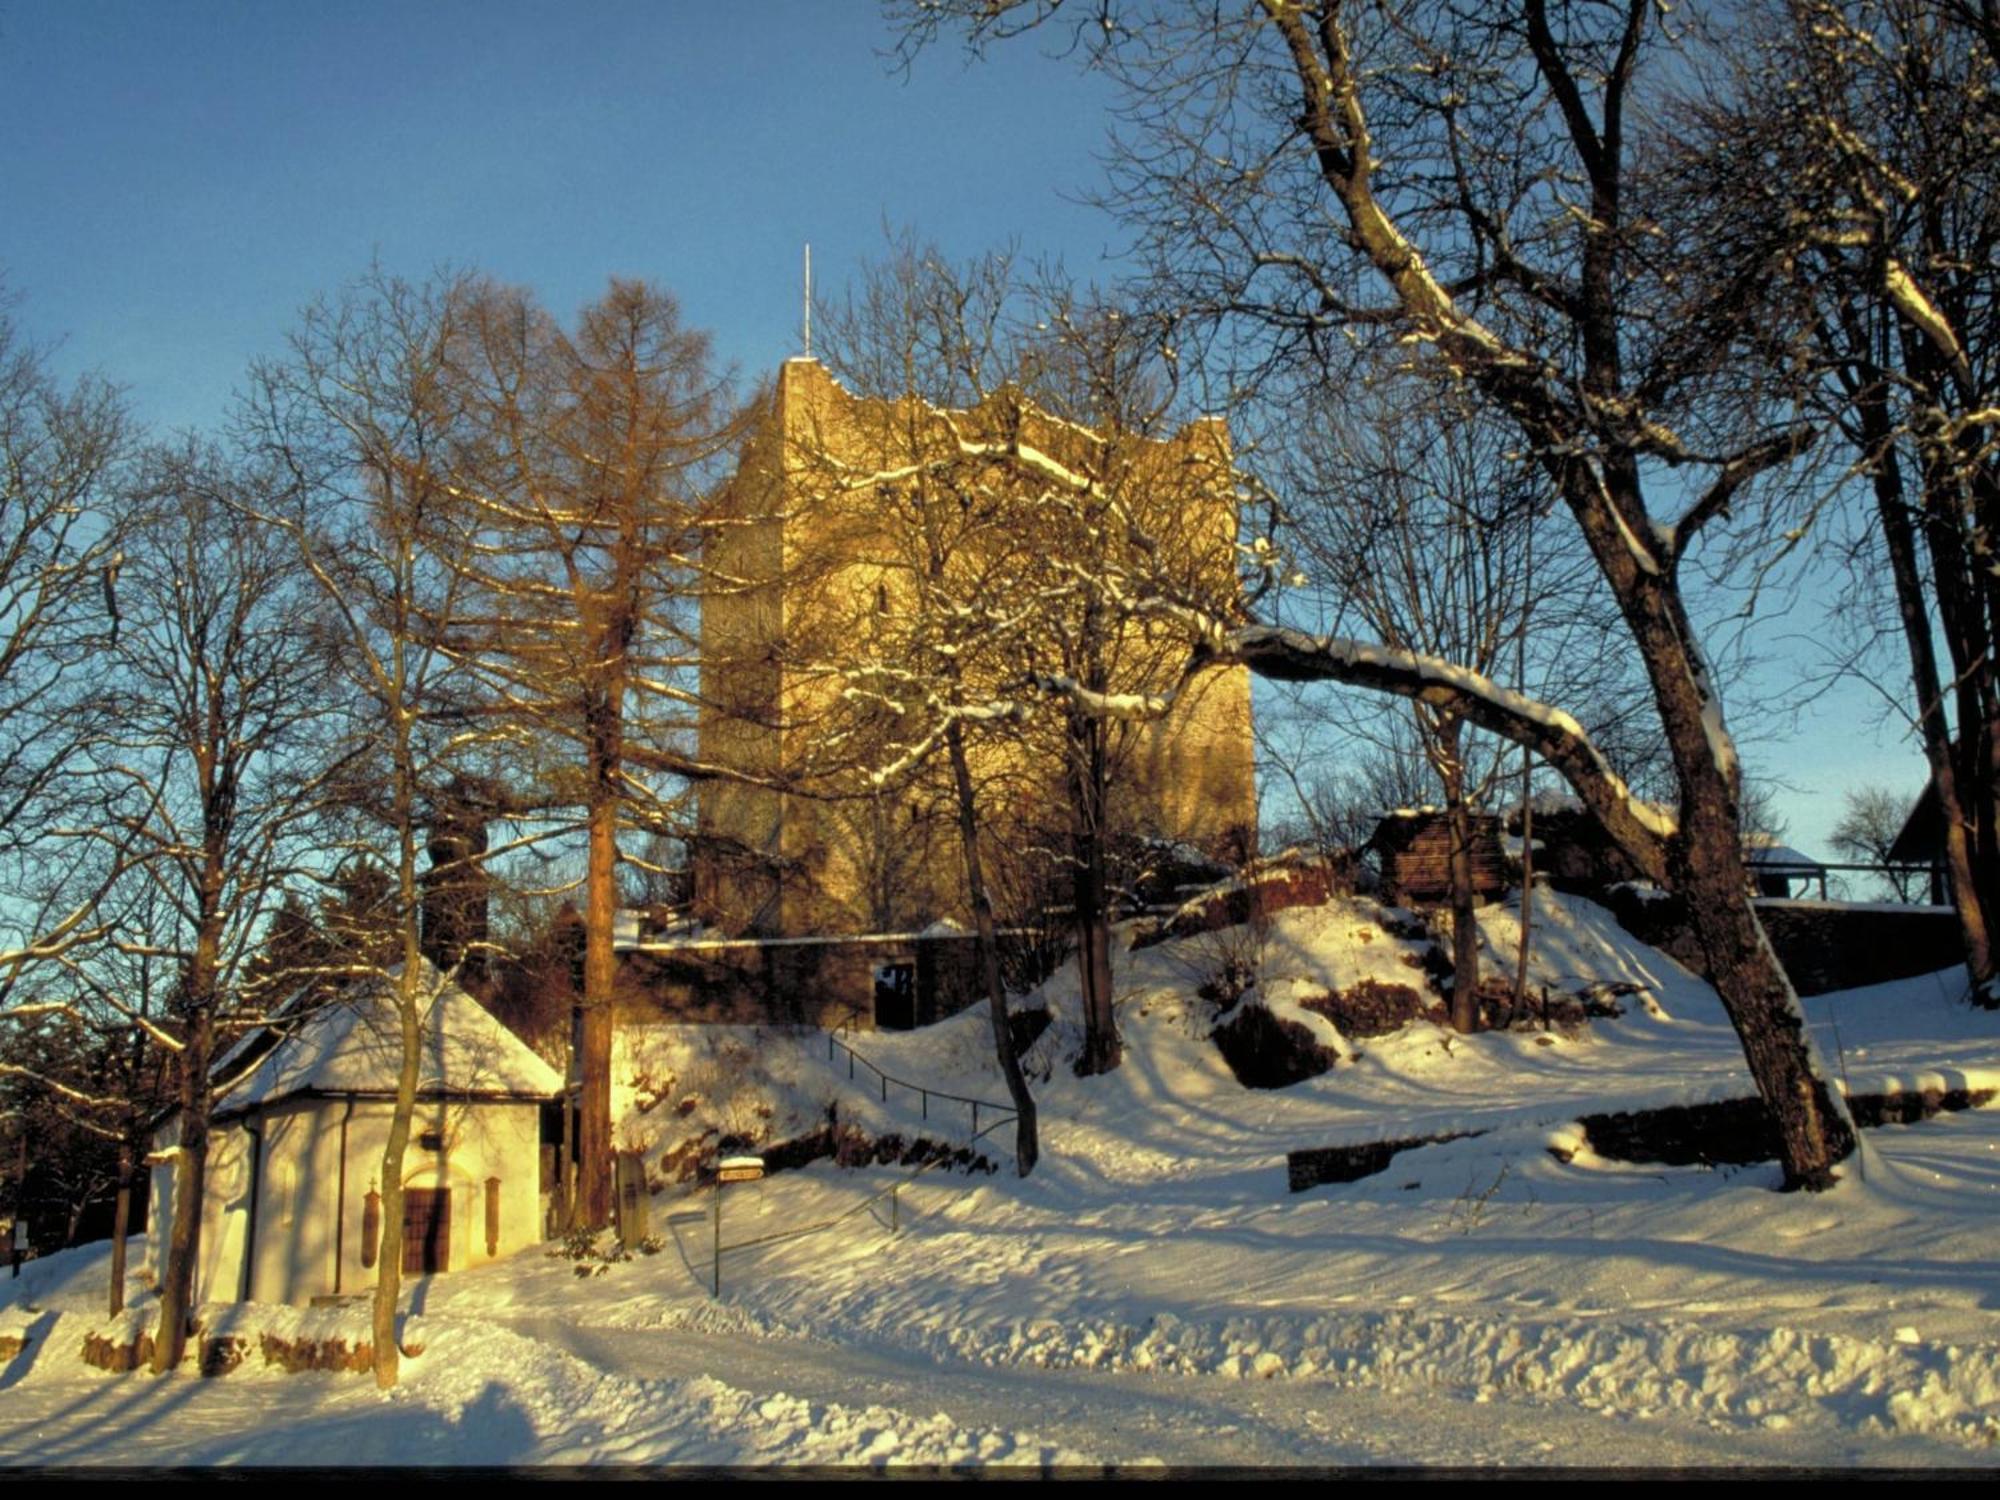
730	1169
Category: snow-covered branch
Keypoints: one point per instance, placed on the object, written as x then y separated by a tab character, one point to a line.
1285	655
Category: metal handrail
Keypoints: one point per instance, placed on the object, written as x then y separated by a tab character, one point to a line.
842	1217
1004	1112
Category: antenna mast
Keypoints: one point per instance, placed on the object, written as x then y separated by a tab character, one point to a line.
809	299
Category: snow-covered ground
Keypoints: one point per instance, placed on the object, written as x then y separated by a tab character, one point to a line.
1153	1293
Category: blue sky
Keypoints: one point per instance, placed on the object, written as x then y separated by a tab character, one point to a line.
178	179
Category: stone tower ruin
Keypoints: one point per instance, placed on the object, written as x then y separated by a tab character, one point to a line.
791	574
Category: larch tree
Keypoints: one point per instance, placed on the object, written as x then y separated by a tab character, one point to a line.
1469	184
599	446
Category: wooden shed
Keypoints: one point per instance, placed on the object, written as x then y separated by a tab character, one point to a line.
1414	849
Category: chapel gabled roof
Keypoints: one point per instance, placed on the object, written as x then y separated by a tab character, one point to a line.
353	1047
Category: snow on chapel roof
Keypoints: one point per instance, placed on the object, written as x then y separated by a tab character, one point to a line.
354	1046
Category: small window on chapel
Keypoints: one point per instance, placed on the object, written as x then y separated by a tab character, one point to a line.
881	598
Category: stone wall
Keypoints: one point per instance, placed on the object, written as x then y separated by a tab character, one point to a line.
814	982
1824	945
1830	946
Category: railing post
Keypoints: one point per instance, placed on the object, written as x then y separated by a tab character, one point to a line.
885	1088
927	1102
895	1214
975	1117
850	1064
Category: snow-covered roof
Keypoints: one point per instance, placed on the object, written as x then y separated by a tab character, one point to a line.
354	1046
1765	849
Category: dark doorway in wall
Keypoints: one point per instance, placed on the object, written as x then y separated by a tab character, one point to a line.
426	1230
896	996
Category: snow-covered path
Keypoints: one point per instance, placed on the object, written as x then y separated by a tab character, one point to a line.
582	1394
1133	1419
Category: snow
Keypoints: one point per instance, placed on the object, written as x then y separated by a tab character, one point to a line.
355	1046
1153	1292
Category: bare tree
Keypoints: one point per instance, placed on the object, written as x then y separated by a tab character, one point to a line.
930	674
1417	524
202	757
1869	235
371	431
1870	819
1067	403
1464	181
63	454
86	1057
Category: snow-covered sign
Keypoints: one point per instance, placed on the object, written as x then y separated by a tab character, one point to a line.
739	1169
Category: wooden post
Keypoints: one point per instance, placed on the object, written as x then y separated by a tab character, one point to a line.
17	1232
631	1203
121	1226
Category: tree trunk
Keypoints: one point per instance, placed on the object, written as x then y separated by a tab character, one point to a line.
190	1182
1706	868
1971	851
592	1204
1975	930
1027	1148
604	727
121	1226
1527	880
1090	903
1448	736
410	990
1814	1129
